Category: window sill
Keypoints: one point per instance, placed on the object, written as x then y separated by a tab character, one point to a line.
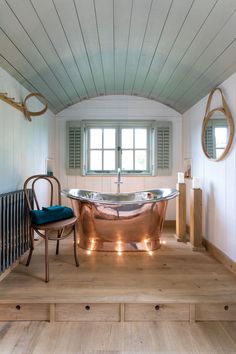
115	174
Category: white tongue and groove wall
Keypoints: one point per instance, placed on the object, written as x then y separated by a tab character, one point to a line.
24	145
218	179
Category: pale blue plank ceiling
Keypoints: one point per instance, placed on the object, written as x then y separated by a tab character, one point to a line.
172	51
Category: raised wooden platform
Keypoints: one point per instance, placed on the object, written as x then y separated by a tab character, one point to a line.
173	284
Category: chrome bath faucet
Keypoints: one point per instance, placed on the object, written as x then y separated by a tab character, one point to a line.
118	182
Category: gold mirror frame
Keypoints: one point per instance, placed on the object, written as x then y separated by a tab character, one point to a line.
208	114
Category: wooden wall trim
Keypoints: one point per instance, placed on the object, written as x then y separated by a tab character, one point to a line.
217	254
17	262
220	256
13	266
9	270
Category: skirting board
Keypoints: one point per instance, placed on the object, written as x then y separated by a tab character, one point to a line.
213	250
9	270
220	256
217	254
15	264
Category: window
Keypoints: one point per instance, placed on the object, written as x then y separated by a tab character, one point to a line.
221	138
216	137
114	145
101	154
101	147
134	149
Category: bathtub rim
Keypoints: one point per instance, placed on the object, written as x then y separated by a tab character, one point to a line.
172	194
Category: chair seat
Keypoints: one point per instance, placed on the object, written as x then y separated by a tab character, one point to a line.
56	225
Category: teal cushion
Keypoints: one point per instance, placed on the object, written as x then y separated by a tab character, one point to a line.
51	214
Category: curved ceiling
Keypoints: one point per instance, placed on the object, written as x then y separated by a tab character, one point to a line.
172	51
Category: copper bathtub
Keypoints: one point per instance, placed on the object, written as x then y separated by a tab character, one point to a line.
120	222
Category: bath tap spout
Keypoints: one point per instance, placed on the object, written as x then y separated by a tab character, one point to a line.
118	182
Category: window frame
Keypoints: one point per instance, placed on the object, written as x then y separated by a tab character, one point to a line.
119	125
160	146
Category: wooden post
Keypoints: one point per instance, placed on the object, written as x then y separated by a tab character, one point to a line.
196	219
181	213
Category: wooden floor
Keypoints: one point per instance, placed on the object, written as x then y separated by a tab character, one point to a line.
174	283
121	337
174	273
134	303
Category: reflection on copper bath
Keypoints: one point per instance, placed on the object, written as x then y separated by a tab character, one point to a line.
122	221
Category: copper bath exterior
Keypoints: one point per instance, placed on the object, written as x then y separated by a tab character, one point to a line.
120	222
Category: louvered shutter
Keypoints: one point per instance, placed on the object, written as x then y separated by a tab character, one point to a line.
74	148
163	148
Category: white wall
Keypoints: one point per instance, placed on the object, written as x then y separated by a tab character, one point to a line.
119	107
24	145
218	178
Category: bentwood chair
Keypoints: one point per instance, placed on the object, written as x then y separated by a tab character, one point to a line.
53	230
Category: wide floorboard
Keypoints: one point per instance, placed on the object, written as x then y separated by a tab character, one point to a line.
133	303
174	273
171	284
114	338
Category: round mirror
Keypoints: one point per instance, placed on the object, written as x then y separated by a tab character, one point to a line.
217	133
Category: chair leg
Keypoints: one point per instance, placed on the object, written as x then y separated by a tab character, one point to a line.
46	260
31	247
57	248
75	247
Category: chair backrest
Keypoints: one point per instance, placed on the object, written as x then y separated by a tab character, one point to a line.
53	183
